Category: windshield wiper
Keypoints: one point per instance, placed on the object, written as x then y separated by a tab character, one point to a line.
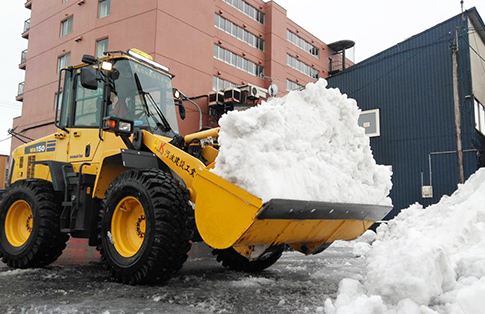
165	126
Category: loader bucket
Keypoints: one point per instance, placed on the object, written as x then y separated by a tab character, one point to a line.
227	215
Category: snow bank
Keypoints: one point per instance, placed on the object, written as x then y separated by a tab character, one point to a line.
426	260
306	145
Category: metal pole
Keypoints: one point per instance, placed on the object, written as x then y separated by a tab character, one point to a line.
457	107
198	107
442	153
343	60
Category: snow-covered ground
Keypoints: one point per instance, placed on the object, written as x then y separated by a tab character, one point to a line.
426	260
295	284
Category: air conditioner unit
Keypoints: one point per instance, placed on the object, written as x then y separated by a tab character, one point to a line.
253	91
232	94
216	98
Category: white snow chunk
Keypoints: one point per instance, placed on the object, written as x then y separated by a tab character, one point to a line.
304	146
351	299
253	282
16	272
367	237
361	249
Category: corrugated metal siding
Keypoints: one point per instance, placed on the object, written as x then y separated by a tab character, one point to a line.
412	85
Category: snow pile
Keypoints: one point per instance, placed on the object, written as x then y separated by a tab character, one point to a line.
429	260
306	145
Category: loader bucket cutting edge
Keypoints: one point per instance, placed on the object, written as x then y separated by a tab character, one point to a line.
227	215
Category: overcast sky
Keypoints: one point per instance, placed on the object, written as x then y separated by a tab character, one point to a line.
374	26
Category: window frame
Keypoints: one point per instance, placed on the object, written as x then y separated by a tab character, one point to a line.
247	9
238	32
302	67
100	4
234	60
69	29
479	116
62	57
377	121
293	86
96	46
79	106
302	44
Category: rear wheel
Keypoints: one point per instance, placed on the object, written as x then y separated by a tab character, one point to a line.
231	259
30	217
145	227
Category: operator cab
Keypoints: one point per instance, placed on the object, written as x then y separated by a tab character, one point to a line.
126	86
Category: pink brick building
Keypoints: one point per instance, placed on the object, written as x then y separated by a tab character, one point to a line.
207	44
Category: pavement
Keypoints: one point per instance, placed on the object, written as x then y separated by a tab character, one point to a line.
78	283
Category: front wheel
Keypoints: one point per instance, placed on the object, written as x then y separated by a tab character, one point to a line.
30	218
145	229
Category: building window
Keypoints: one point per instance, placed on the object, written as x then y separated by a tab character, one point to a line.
303	44
63	61
104	8
66	26
247	9
370	121
237	61
221	84
101	46
302	67
239	32
479	117
290	85
20	89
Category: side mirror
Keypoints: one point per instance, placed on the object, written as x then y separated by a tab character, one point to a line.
177	95
88	78
181	108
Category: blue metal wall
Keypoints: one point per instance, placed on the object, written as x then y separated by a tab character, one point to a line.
412	85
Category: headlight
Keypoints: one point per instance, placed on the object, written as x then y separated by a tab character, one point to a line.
125	127
107	66
176	93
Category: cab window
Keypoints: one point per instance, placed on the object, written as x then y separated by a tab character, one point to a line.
87	105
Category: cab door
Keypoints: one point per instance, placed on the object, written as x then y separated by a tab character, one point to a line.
86	115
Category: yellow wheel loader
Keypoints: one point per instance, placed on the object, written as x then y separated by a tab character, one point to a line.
117	172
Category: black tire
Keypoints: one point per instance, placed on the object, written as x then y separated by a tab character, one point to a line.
35	241
231	259
159	210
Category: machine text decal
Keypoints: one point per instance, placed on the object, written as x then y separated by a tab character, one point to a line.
36	148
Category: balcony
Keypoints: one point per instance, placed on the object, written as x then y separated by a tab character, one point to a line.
25	34
336	64
28	4
23	60
20	92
